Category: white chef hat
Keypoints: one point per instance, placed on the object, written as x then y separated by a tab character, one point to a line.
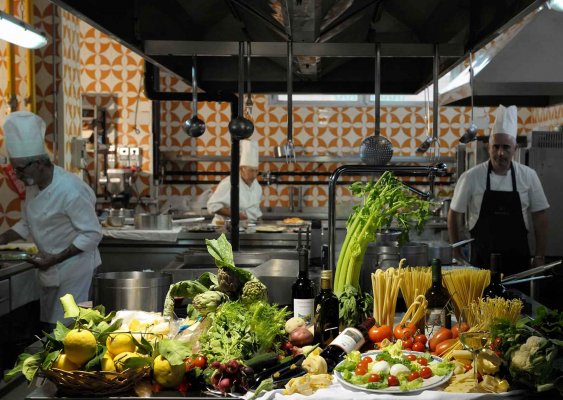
506	121
249	153
24	134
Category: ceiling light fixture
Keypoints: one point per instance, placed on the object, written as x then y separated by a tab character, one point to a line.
555	5
16	31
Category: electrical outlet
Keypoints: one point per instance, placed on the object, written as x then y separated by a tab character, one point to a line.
135	159
123	155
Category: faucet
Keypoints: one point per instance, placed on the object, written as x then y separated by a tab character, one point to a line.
438	169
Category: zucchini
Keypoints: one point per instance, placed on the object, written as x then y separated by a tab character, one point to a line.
262	361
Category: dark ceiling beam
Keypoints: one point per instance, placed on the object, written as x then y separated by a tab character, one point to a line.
278	49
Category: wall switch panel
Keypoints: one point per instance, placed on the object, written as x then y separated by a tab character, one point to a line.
123	155
78	152
135	156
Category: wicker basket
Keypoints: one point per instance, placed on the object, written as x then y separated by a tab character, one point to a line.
95	383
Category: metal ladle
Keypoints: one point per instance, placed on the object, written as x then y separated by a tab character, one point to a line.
376	149
289	148
241	127
194	127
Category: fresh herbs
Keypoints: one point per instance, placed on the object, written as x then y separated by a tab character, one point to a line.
354	306
386	202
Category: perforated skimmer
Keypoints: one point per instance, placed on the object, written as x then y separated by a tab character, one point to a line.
376	149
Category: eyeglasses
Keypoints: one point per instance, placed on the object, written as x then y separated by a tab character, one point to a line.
22	169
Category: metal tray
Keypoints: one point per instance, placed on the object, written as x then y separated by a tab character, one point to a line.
6	255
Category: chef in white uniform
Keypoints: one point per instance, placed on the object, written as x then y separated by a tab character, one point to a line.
58	215
250	192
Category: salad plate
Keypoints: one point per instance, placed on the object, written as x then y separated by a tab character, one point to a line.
429	383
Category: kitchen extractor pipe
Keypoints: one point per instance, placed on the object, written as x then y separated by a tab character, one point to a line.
432	171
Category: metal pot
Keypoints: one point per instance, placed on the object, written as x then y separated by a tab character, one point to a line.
443	250
415	253
132	290
155	222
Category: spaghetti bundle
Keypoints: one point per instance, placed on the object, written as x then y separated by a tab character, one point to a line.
415	281
385	285
465	285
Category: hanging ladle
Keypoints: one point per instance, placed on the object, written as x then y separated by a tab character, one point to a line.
241	127
194	126
289	149
471	132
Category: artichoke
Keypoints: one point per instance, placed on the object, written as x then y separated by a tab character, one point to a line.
253	291
228	282
209	301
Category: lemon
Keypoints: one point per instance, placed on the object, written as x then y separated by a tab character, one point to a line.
79	345
136	326
118	343
167	375
107	363
119	360
62	362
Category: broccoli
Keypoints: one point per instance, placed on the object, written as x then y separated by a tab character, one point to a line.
253	291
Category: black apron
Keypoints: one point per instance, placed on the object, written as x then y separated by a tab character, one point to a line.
500	228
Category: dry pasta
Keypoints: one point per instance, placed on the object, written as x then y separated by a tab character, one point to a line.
385	285
415	281
465	285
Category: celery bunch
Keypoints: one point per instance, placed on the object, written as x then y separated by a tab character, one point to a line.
386	203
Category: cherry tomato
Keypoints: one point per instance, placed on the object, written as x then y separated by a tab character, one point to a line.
362	364
418	346
361	370
422	361
200	362
413	375
425	372
378	333
392	380
411	357
374	378
189	364
407	343
467	367
367	359
420	339
400	330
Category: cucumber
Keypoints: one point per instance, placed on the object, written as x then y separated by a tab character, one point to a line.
262	361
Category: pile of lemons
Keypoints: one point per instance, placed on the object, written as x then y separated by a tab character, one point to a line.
80	346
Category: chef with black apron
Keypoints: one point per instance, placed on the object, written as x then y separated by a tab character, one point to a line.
497	196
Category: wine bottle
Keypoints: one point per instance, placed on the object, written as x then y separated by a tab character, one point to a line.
495	288
437	313
326	311
303	290
349	339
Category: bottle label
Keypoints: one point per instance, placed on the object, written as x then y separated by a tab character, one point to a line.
304	308
350	339
435	319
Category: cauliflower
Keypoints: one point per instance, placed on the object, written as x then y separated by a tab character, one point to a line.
253	291
208	302
521	358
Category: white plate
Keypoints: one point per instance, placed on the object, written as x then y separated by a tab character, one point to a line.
429	383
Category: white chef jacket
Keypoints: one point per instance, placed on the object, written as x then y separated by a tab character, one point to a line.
249	199
469	190
54	218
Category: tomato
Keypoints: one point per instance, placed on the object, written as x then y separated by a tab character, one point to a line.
367	359
456	329
200	362
467	367
361	370
422	361
425	373
411	357
362	364
420	339
189	364
496	344
392	380
374	378
378	333
440	336
401	329
418	346
413	375
407	343
443	346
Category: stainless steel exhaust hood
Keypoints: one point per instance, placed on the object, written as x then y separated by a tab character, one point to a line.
521	67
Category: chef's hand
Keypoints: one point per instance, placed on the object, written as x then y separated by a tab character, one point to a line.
44	261
458	258
243	215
